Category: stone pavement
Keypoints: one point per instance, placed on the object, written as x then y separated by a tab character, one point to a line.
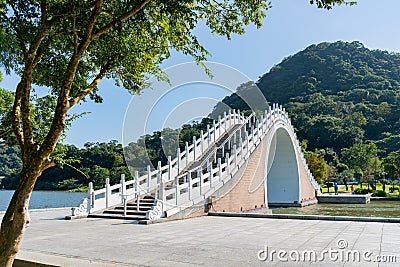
204	241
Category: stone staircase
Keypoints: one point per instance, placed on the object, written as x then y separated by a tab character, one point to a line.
133	211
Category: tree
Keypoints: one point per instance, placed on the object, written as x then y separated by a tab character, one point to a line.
70	46
317	165
391	166
362	157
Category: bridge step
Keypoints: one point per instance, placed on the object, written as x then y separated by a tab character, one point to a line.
117	212
117	216
128	212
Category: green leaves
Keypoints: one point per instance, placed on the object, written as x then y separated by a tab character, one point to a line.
6	102
328	4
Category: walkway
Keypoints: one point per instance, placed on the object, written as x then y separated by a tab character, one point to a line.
204	241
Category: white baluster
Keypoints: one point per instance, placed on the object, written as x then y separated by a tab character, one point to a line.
189	180
178	161
137	189
220	125
108	192
215	130
235	157
208	135
202	142
194	147
219	169
227	164
248	142
123	187
200	176
169	168
91	196
177	190
148	178
159	179
187	153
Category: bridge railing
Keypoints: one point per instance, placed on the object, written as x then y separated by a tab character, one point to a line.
199	185
112	195
176	193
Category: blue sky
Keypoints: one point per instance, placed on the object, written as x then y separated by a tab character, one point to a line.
289	27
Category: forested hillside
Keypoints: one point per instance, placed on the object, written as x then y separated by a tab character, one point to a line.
338	94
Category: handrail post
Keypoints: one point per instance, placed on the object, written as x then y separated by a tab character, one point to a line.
178	160
208	135
169	168
202	141
187	153
148	178
159	178
108	193
91	197
215	129
227	164
123	187
219	169
235	157
194	147
225	121
137	189
248	142
220	124
200	175
177	190
189	181
124	201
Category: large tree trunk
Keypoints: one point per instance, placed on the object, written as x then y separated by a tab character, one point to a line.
15	218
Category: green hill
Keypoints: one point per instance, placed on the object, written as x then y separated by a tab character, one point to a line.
337	94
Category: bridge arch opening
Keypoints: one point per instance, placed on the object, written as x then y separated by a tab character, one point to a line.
282	173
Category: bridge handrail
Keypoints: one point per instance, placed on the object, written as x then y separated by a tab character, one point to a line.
211	153
154	180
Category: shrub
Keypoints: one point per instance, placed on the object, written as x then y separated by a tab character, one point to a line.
362	191
379	193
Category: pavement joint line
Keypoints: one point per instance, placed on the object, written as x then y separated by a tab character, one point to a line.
78	257
41	210
308	217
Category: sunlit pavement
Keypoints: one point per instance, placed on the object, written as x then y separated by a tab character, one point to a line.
207	241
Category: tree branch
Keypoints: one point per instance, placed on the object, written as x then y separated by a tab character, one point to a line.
76	39
43	9
16	120
92	85
120	19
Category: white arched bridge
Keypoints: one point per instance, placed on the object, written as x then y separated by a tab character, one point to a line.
240	163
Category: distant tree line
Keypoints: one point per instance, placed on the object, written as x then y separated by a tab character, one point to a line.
95	162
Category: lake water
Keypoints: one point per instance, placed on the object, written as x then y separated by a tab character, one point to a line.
45	199
373	209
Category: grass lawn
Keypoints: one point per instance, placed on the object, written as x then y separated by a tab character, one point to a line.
342	189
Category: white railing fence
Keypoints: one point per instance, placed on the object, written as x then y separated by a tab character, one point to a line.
175	191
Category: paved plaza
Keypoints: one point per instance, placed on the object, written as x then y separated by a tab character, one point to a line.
204	241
